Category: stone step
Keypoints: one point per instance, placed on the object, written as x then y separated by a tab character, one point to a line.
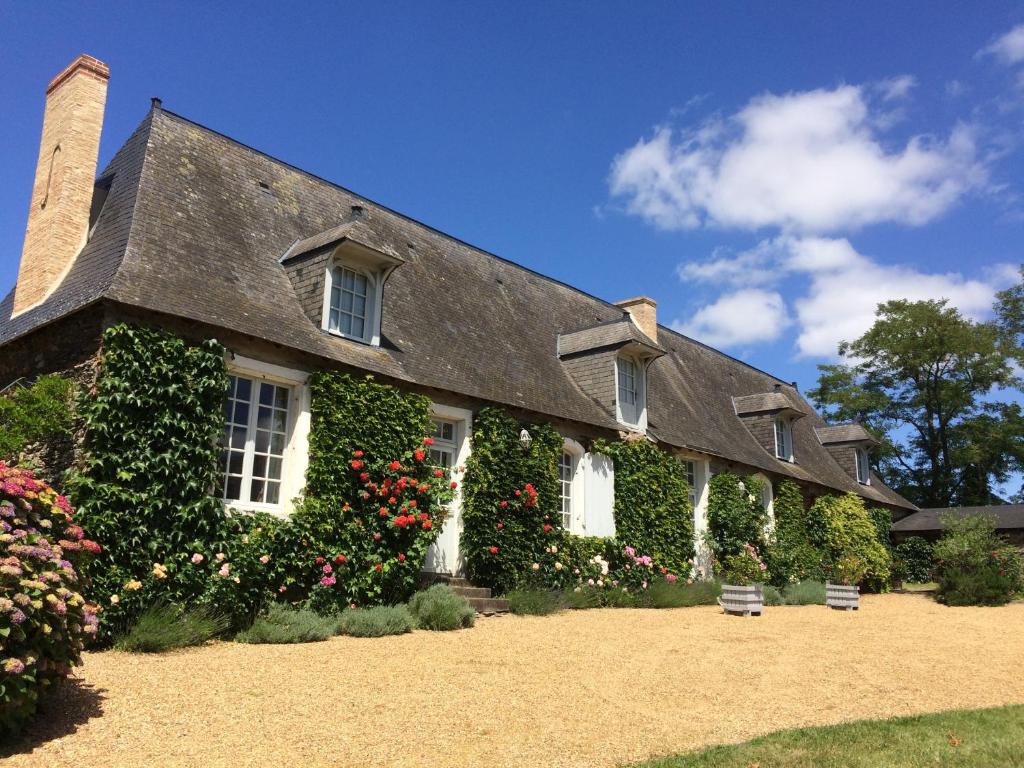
488	605
471	591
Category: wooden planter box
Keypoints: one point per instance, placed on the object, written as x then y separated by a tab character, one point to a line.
842	597
742	601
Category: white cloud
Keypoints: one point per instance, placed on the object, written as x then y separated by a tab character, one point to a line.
1009	48
743	317
837	291
897	87
807	162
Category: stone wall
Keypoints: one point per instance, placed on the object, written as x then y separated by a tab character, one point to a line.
69	348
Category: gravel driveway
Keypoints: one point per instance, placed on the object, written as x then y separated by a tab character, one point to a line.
590	688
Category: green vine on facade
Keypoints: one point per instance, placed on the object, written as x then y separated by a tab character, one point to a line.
652	504
791	557
498	467
736	514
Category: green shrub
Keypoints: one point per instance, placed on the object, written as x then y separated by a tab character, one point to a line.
804	593
377	622
510	499
843	529
771	595
914	558
652	504
736	514
438	608
743	568
43	618
666	594
974	565
34	414
533	602
166	627
791	557
582	598
285	624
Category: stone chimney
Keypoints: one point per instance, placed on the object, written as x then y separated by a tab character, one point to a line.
58	219
644	312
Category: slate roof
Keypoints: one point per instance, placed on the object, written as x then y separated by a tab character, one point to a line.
1007	516
844	433
764	402
617	333
195	225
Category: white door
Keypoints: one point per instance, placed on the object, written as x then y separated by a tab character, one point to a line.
443	554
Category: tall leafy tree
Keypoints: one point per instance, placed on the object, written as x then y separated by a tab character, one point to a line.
921	378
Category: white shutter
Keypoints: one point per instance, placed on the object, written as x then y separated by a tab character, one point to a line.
599	495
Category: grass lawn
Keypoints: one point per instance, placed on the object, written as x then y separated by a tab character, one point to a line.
980	738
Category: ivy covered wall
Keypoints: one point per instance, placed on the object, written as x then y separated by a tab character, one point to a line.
736	515
652	504
497	468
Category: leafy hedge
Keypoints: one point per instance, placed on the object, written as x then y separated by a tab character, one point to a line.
652	505
43	618
974	565
913	558
791	557
843	529
736	516
34	414
502	534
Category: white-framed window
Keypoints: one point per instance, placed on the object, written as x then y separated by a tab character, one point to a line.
254	441
350	309
566	470
784	439
863	466
629	378
445	448
264	443
691	482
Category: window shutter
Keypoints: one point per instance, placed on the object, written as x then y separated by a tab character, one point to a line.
599	495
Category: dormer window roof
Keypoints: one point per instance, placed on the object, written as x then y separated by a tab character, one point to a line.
357	266
777	402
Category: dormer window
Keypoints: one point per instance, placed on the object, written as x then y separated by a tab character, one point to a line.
630	401
352	301
784	439
863	467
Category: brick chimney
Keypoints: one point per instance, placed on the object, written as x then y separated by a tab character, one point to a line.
644	312
58	219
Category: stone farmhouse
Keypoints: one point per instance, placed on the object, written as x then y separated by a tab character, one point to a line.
189	230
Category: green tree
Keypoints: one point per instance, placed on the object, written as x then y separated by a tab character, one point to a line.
921	379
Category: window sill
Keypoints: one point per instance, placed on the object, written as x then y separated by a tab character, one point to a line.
240	507
340	335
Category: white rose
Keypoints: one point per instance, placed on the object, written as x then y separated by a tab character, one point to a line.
558	566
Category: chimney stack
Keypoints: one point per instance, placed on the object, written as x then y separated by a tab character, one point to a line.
58	218
644	313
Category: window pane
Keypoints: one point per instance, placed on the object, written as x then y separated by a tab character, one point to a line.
273	493
235	462
348	279
233	488
346	302
256	491
345	325
259	466
262	440
357	327
241	413
266	394
280	397
244	389
238	437
279	421
277	443
359	306
275	469
359	285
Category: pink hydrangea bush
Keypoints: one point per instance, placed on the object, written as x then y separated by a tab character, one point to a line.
43	617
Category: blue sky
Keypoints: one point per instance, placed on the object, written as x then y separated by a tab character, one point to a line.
767	174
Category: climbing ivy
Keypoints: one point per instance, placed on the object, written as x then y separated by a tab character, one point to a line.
34	414
791	557
843	529
151	454
736	515
652	504
351	413
498	467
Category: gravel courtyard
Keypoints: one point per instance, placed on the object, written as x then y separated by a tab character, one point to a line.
591	688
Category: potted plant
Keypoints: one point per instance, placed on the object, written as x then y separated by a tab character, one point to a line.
743	574
841	590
